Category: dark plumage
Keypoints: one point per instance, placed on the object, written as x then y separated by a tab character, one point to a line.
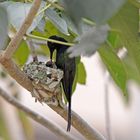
68	66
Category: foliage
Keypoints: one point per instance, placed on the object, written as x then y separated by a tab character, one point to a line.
102	10
17	12
115	67
105	26
90	41
127	24
59	22
3	26
85	27
20	57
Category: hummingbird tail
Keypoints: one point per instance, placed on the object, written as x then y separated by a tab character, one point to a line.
69	116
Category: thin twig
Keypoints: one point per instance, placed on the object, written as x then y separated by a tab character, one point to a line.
13	45
88	132
56	5
33	52
107	110
40	119
42	10
47	39
37	42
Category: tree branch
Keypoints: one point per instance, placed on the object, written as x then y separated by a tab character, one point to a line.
15	72
22	79
88	132
13	45
79	124
107	109
40	119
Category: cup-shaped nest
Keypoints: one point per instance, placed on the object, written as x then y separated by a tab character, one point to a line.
46	82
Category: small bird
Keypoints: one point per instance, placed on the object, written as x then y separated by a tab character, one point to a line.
68	65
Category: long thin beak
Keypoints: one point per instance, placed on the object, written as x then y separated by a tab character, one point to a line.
51	54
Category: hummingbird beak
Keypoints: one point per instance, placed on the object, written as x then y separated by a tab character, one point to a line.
51	54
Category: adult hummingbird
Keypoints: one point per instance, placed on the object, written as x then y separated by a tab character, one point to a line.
68	66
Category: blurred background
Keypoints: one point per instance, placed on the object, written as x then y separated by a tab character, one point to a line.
88	101
96	95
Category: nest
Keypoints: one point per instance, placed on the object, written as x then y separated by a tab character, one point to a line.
46	82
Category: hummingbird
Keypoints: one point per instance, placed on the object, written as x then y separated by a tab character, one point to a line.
68	65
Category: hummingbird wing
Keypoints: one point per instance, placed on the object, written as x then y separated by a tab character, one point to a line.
68	78
67	82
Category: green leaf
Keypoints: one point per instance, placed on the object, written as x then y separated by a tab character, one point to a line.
50	29
70	24
3	27
114	66
21	54
131	69
127	23
45	50
17	12
78	59
57	21
90	41
81	73
114	39
75	82
97	10
41	25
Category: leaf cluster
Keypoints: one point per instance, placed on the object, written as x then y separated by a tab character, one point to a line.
103	26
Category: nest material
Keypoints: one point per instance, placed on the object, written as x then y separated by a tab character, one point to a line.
46	82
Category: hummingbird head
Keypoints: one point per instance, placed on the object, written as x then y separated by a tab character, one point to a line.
52	45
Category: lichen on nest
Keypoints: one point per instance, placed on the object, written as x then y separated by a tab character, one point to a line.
46	82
